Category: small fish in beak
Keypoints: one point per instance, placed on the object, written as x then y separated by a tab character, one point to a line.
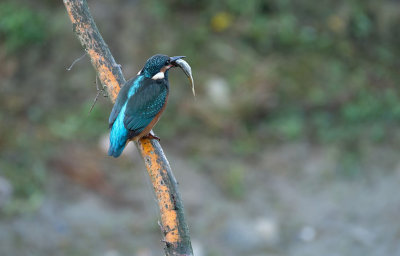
187	70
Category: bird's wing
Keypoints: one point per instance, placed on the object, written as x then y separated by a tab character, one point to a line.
144	105
119	103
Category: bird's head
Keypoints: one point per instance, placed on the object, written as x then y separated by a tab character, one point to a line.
158	65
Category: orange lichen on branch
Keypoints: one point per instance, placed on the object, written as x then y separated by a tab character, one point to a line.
159	179
108	70
105	74
174	227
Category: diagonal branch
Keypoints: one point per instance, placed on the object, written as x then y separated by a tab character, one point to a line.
173	225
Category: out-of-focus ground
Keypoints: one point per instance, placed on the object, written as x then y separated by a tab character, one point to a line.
291	147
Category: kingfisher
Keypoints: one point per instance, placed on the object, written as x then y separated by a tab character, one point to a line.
141	101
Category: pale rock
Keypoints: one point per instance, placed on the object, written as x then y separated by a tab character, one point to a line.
307	234
218	92
267	229
6	190
198	248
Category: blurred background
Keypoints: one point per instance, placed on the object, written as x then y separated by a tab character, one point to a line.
291	147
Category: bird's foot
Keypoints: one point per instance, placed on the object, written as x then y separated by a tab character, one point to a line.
151	136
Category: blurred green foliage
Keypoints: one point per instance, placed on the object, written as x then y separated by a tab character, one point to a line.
28	179
234	182
295	70
331	68
20	26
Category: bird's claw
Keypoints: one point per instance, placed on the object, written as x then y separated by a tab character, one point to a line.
151	136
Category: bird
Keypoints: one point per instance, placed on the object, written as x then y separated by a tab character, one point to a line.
142	100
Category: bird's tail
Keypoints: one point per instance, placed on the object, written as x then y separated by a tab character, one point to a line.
115	150
117	142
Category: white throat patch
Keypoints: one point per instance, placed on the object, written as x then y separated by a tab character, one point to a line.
159	75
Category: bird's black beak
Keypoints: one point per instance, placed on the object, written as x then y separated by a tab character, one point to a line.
174	59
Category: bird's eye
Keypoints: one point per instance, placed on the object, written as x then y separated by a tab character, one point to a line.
167	62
